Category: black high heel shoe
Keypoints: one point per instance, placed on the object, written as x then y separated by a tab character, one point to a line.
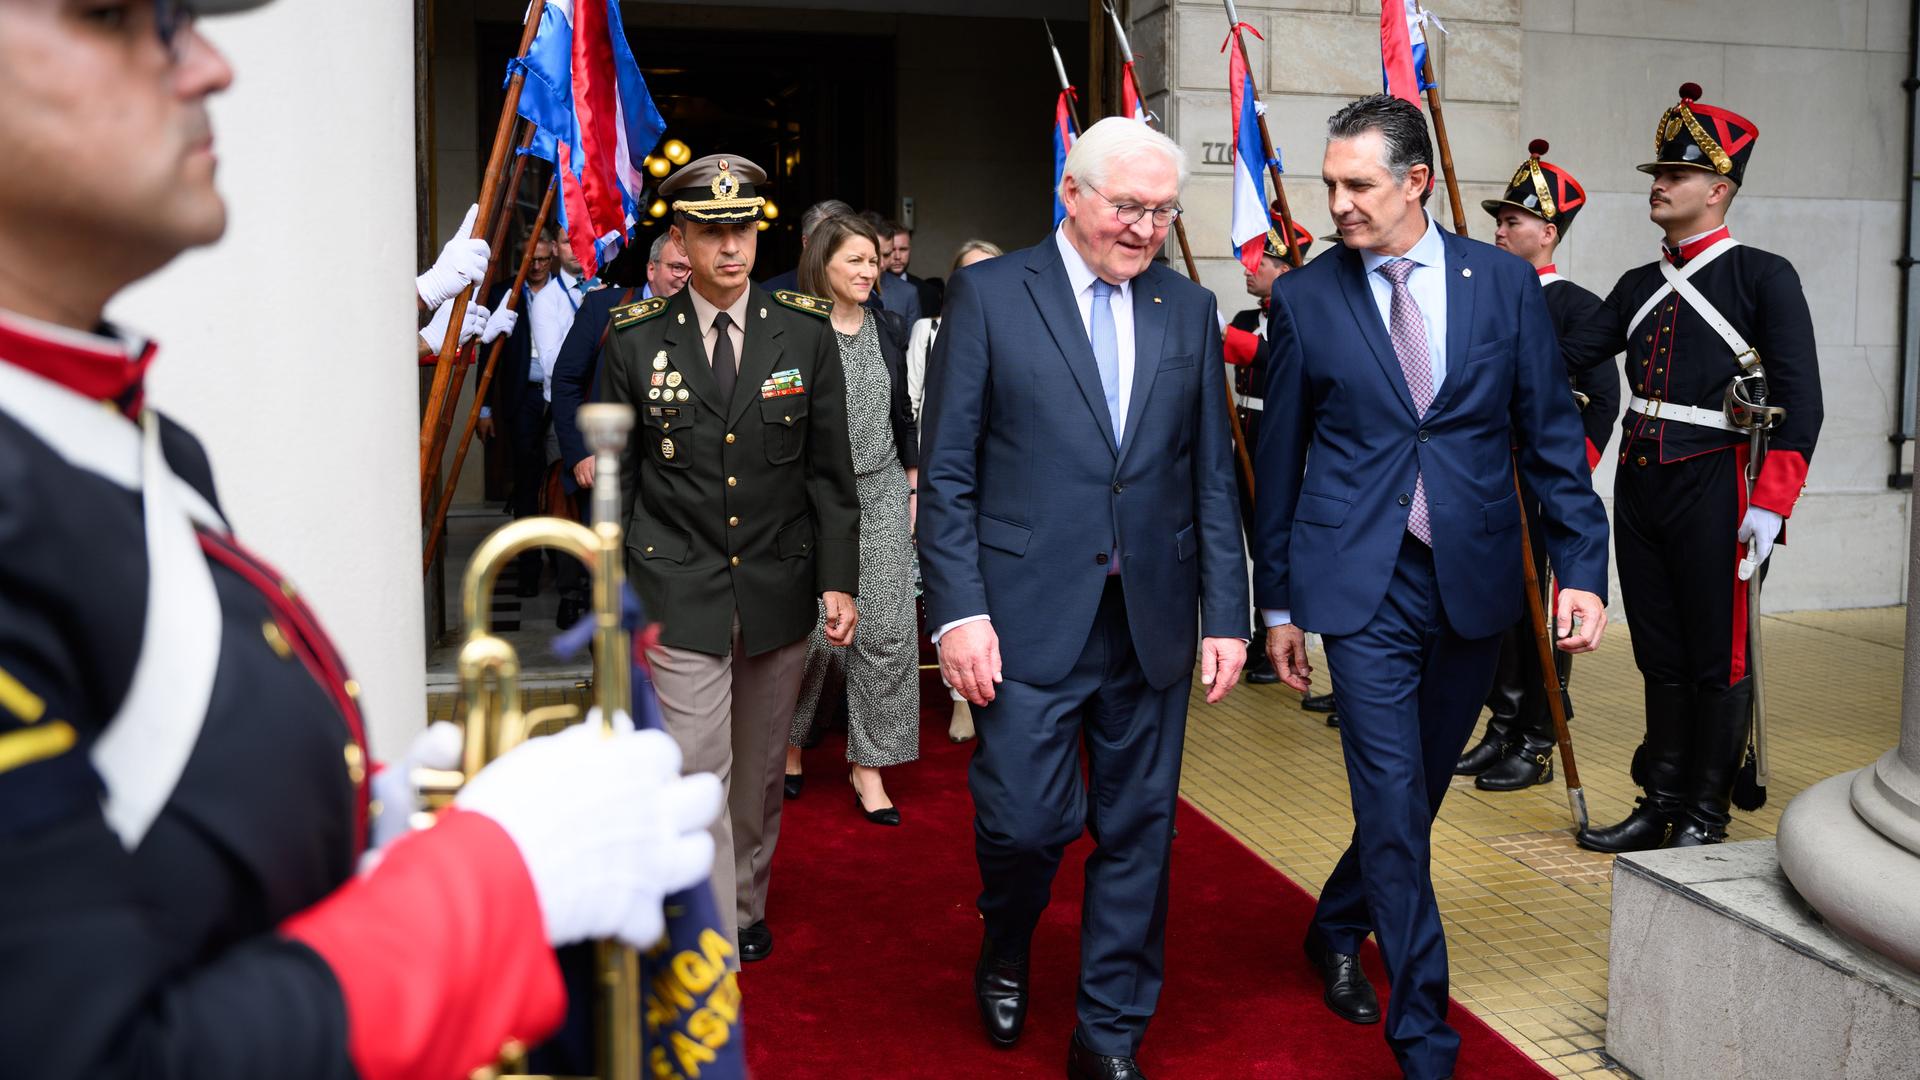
793	784
887	816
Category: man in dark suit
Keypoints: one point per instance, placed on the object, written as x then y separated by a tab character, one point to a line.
1245	346
741	516
1407	365
1077	507
1530	220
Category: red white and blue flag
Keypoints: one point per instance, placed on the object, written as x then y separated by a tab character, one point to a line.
1403	48
1063	136
1250	220
1131	103
597	122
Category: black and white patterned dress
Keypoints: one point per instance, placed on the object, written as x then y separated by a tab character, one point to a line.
882	665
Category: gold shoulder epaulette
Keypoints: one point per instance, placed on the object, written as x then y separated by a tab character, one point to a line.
637	313
799	301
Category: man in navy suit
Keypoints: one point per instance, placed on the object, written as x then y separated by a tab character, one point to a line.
1404	365
1077	512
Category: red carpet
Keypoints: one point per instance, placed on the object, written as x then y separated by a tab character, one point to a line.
876	935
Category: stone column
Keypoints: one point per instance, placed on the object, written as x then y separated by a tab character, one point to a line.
288	347
1851	843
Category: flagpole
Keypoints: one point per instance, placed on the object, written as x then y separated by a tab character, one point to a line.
1440	133
489	197
438	527
1060	71
503	220
1186	251
1266	138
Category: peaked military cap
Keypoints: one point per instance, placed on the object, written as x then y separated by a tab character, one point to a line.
1277	247
1542	189
1702	137
718	187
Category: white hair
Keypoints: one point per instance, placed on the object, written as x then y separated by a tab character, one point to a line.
1114	140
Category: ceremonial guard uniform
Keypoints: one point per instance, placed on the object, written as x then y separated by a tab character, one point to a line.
1517	749
1708	312
183	785
1245	347
741	511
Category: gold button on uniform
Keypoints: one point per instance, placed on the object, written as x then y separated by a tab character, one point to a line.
276	640
356	764
729	438
1641	460
733	522
732	482
736	560
352	687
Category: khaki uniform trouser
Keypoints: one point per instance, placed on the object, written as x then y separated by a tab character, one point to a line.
730	714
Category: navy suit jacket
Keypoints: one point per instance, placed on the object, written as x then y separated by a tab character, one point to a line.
577	371
1340	446
1023	490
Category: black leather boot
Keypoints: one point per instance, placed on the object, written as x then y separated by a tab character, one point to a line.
1670	708
1504	699
1719	738
1528	761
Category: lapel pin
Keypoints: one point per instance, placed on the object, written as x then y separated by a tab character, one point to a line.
1466	271
1156	299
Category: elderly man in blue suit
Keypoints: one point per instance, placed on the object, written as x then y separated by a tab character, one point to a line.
1079	538
1405	368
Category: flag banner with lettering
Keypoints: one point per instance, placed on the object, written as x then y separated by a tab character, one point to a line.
1250	222
691	1027
1403	48
597	122
1063	135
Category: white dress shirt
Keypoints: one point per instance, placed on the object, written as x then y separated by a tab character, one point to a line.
1081	278
1428	284
551	309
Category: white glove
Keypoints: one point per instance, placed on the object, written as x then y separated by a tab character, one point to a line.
607	825
500	322
438	747
471	325
1762	526
461	263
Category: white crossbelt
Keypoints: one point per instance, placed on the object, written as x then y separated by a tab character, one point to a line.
1253	403
1685	414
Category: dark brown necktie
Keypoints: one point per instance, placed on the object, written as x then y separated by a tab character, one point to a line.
723	359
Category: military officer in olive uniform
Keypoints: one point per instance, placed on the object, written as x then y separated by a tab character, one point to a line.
741	513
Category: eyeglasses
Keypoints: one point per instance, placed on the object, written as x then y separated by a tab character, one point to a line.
1129	213
173	22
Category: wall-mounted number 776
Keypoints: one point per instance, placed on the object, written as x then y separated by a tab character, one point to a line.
1216	153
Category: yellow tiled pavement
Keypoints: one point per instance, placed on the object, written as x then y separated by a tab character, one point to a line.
1525	910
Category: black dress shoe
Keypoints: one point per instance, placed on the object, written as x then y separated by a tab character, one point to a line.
1318	702
794	784
1263	676
1643	830
1349	994
1000	988
1527	763
570	612
887	815
1084	1064
756	942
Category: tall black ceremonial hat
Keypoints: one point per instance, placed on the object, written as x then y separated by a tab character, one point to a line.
1277	247
718	187
1542	189
1703	137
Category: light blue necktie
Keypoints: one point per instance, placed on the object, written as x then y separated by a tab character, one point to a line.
1106	350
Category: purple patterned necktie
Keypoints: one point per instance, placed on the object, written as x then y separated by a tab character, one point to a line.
1409	333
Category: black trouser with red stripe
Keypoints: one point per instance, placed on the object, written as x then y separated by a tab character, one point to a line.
1675	544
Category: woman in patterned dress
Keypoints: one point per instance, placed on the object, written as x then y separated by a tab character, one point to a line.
842	262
